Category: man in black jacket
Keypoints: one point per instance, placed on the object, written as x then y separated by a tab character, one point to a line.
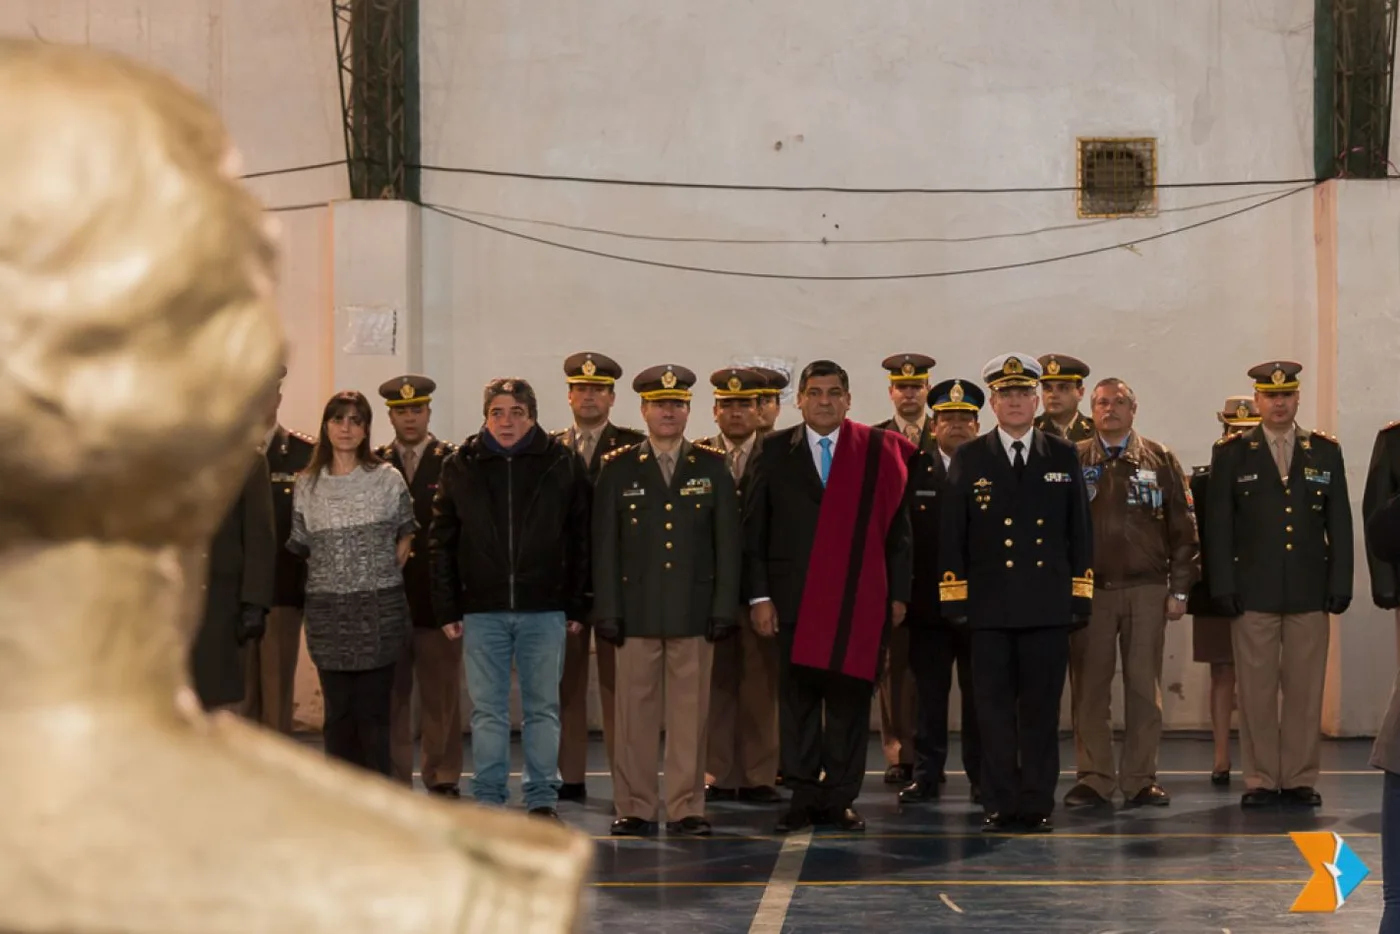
1015	563
431	661
510	571
934	645
1383	482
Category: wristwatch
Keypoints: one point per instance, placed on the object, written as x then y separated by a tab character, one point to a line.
1179	596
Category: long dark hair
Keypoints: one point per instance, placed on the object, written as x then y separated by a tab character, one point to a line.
342	403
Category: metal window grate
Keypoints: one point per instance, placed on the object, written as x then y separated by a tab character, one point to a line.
1117	177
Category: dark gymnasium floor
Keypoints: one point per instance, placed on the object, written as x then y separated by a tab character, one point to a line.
1200	865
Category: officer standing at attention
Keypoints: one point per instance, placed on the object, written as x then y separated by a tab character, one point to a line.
1016	565
667	553
430	659
1210	634
1278	526
935	646
272	670
742	758
1383	482
899	701
592	378
770	402
1062	389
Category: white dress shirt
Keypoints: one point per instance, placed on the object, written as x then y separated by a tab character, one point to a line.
1007	441
947	459
813	442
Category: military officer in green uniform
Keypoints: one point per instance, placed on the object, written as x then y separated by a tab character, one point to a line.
272	662
1061	390
1279	546
592	379
667	552
897	694
770	402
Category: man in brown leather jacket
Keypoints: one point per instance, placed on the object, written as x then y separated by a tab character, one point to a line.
1146	557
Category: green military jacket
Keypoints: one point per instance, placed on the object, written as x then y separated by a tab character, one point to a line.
1279	547
666	559
1081	429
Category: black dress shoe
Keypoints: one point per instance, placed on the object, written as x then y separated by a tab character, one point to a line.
1153	796
573	791
899	774
1220	779
760	794
793	821
917	792
546	814
976	793
690	826
1260	798
716	793
1302	796
850	821
1037	823
999	823
446	791
631	827
1082	796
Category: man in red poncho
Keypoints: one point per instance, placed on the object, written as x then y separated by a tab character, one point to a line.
827	557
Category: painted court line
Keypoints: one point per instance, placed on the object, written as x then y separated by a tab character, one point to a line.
787	870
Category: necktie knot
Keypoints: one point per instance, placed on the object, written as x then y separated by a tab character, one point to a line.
1115	452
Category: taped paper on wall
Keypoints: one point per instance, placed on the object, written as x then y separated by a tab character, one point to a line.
371	330
785	365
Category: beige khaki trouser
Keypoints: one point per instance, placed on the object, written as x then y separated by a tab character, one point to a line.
899	701
1280	652
1131	621
661	682
743	725
573	703
272	670
434	662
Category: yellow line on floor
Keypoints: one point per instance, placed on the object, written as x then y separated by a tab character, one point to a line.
987	883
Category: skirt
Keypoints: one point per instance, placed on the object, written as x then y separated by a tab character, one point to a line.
1210	640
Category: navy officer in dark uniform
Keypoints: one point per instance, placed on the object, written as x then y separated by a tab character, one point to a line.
934	645
1015	562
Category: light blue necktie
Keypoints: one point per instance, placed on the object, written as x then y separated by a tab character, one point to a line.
825	444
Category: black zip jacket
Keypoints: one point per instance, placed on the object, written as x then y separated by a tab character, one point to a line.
511	534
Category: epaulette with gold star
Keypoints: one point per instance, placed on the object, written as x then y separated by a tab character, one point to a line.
384	451
559	433
1391	426
1324	436
293	433
707	448
1228	439
616	452
444	448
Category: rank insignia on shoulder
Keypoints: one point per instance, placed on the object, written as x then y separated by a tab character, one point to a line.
301	436
1391	426
708	448
612	455
1227	439
1324	436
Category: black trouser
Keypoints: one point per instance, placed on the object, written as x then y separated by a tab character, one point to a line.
823	724
1018	676
357	716
933	650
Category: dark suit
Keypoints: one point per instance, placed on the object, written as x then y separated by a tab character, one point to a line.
1382	482
272	671
1015	562
430	658
934	645
573	685
898	694
780	530
242	560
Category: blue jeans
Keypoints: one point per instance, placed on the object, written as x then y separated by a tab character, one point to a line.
1390	854
535	642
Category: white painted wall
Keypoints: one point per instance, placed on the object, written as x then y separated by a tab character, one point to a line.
891	94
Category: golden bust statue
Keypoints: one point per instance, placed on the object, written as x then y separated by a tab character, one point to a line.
141	349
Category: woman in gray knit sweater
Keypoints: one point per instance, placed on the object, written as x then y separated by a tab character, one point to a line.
352	518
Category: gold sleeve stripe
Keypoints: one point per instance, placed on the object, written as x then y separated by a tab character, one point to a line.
950	588
1083	586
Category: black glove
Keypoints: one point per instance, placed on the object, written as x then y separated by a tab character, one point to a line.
1338	605
720	628
1228	605
1387	601
1078	621
252	624
957	622
610	631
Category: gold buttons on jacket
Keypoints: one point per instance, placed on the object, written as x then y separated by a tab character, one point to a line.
668	507
668	526
634	520
1008	521
1287	508
1011	564
668	565
1040	522
1009	543
1288	528
1288	547
668	546
1040	564
633	506
1040	541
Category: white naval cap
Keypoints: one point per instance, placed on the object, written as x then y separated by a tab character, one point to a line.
1011	369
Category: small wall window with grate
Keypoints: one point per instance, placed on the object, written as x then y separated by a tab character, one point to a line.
1117	177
